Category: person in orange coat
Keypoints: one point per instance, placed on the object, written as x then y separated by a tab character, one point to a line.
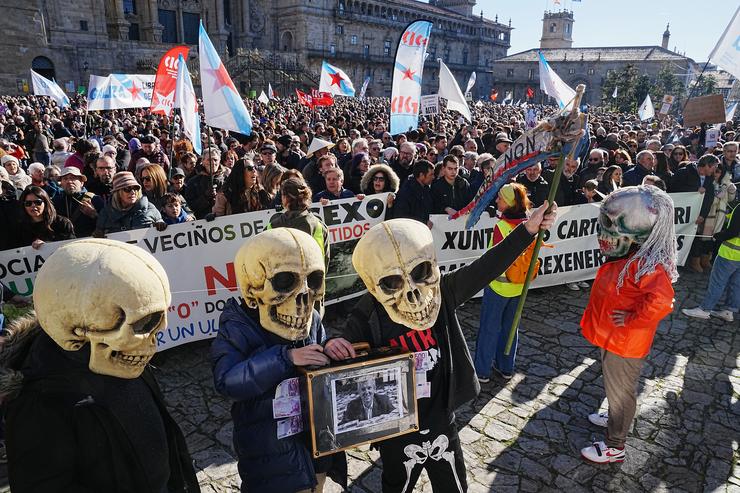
631	294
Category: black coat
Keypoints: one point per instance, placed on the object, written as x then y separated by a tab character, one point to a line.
355	410
536	190
445	195
414	201
200	194
27	232
457	287
687	179
69	206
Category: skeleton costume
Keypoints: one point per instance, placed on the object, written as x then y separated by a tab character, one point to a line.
281	274
410	304
84	412
637	234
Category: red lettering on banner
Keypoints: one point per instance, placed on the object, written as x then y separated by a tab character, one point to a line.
212	276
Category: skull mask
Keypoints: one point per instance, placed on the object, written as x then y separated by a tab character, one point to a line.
397	262
281	272
627	217
109	294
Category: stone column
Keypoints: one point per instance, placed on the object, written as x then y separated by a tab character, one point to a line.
151	29
117	23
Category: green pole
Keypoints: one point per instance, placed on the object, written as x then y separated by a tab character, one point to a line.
541	233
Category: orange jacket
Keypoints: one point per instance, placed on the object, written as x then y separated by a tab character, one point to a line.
650	301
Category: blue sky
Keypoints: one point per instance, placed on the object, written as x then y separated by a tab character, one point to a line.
696	25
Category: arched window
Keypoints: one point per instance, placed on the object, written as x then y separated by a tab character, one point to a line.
553	28
286	41
43	66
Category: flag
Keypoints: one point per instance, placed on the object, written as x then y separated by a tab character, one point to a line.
509	97
730	111
408	68
185	99
270	92
263	98
304	99
614	94
335	81
449	90
224	108
494	94
553	85
321	98
364	87
530	93
45	87
646	111
118	91
726	53
471	82
163	94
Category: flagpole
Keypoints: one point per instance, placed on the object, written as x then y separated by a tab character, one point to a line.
172	144
541	234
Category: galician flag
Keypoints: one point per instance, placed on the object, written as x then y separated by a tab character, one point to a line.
270	92
45	87
726	53
646	111
553	85
730	111
335	81
364	87
223	106
187	102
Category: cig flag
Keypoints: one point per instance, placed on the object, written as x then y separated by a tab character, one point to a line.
223	106
335	81
553	85
45	87
407	72
726	53
471	82
646	111
163	95
449	90
187	102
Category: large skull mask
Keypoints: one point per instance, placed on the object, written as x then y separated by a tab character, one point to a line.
109	294
281	272
397	262
627	217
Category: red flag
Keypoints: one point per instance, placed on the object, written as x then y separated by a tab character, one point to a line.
304	98
163	95
530	93
323	99
494	94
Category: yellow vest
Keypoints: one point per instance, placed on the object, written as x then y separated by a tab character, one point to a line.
730	249
501	285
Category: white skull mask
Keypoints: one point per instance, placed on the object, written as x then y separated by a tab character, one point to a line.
109	294
281	272
627	217
397	262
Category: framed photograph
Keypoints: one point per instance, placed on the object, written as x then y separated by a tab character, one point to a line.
367	400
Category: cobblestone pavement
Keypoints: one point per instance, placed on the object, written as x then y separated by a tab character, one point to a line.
525	434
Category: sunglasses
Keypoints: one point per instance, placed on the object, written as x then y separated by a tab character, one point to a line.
249	167
378	178
146	178
131	189
29	203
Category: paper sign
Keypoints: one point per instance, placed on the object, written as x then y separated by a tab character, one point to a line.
705	109
430	104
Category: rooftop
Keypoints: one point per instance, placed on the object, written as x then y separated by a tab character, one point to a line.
604	54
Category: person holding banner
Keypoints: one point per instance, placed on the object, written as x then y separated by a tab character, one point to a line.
501	296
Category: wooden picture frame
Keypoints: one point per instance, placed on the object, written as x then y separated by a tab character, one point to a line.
336	398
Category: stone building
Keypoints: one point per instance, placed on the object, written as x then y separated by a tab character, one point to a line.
520	71
279	41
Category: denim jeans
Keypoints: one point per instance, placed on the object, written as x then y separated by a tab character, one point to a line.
496	316
725	276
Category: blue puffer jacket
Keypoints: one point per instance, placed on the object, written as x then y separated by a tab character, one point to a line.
248	364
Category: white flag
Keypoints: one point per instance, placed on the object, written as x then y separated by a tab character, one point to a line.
45	87
263	98
614	94
553	85
270	92
646	111
364	87
471	82
185	100
730	111
727	52
449	90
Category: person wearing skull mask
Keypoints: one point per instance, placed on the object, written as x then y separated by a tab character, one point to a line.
631	294
411	305
261	342
83	411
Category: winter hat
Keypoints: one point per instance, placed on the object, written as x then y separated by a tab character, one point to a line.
134	145
124	179
507	193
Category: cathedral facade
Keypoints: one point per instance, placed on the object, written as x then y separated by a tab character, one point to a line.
71	39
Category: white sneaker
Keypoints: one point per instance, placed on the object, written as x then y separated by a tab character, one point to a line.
584	285
725	315
599	419
573	286
697	312
599	453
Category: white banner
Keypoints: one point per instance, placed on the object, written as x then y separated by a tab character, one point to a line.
120	91
198	256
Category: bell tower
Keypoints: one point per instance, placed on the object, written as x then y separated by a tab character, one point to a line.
557	30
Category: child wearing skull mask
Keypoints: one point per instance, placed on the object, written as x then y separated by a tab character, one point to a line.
409	304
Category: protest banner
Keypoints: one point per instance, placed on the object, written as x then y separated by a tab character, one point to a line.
712	137
198	256
118	91
705	109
